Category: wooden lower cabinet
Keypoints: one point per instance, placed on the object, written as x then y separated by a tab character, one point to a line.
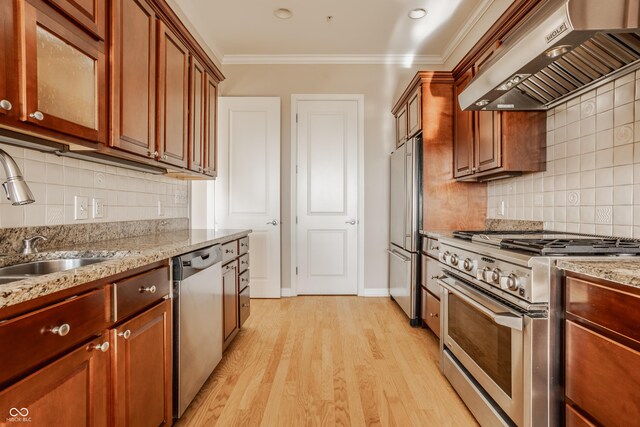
70	391
230	301
142	369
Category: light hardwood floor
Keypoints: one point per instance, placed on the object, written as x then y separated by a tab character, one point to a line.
343	361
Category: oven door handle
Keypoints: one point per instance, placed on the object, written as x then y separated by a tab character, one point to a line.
505	319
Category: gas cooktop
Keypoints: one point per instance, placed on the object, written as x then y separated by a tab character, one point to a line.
547	243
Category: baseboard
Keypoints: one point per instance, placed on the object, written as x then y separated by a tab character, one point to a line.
286	292
375	292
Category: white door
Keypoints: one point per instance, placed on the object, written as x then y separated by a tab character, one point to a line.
327	196
247	189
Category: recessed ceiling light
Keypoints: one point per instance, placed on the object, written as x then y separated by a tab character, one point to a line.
417	13
283	13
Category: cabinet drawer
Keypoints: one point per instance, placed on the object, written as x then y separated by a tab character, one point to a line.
229	250
431	270
230	266
36	337
135	293
600	377
245	305
244	263
604	306
244	245
574	419
243	280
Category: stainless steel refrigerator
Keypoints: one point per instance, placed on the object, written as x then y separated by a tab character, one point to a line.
405	220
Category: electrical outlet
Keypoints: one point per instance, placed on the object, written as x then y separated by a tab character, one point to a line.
160	208
81	210
501	208
98	208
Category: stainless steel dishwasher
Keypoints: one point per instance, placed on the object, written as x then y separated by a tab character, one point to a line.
197	322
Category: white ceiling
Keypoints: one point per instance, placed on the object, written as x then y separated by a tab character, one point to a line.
361	31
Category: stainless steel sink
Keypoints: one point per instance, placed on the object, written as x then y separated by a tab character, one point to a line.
37	268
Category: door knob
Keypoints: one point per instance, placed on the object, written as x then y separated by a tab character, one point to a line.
274	222
352	222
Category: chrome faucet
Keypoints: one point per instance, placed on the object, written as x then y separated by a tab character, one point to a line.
15	186
30	244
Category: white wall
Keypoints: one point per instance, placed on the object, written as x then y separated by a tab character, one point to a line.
381	86
55	181
592	182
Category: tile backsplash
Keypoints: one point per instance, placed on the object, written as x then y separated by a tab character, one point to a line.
55	181
592	181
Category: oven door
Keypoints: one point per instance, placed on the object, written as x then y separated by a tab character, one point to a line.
486	338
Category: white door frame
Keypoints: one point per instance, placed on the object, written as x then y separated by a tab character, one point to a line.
359	98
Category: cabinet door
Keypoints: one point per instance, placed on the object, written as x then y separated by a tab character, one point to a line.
401	126
198	116
488	141
64	74
211	128
70	391
433	314
8	72
142	369
414	113
463	132
173	98
230	298
133	76
89	14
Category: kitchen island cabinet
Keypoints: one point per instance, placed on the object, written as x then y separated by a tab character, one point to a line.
602	352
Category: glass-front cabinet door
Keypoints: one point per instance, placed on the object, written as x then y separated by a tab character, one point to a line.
64	75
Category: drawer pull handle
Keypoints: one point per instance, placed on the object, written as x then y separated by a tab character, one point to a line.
228	251
433	315
246	304
61	330
150	289
104	347
126	334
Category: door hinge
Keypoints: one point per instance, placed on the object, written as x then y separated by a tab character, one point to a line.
296	117
296	271
296	219
296	168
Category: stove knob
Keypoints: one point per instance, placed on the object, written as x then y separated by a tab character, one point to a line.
445	257
495	275
482	274
454	260
513	283
468	264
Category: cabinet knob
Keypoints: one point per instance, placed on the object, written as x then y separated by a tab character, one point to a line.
150	289
126	334
246	304
5	105
37	115
61	330
433	315
165	157
104	347
153	154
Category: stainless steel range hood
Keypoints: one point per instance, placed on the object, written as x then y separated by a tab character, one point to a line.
564	47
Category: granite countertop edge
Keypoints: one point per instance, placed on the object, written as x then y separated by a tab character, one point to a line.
624	272
127	254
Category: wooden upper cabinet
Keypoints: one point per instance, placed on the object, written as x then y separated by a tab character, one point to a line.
401	126
210	143
64	75
463	135
197	131
142	369
133	77
173	98
414	113
88	14
8	71
70	391
488	141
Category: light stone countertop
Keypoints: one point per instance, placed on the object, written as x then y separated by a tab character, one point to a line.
625	272
127	254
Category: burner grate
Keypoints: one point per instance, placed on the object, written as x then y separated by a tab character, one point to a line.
604	246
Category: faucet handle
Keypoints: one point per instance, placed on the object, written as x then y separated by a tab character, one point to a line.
29	244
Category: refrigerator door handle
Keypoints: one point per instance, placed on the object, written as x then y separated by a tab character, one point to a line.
399	255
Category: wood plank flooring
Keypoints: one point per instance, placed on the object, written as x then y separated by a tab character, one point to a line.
326	360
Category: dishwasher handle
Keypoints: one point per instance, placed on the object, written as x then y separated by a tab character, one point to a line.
201	262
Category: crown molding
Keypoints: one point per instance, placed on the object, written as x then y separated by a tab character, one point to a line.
466	29
333	59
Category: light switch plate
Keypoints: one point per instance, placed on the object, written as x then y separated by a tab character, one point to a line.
98	208
81	209
160	208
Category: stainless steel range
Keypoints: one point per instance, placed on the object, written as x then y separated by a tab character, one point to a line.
501	320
